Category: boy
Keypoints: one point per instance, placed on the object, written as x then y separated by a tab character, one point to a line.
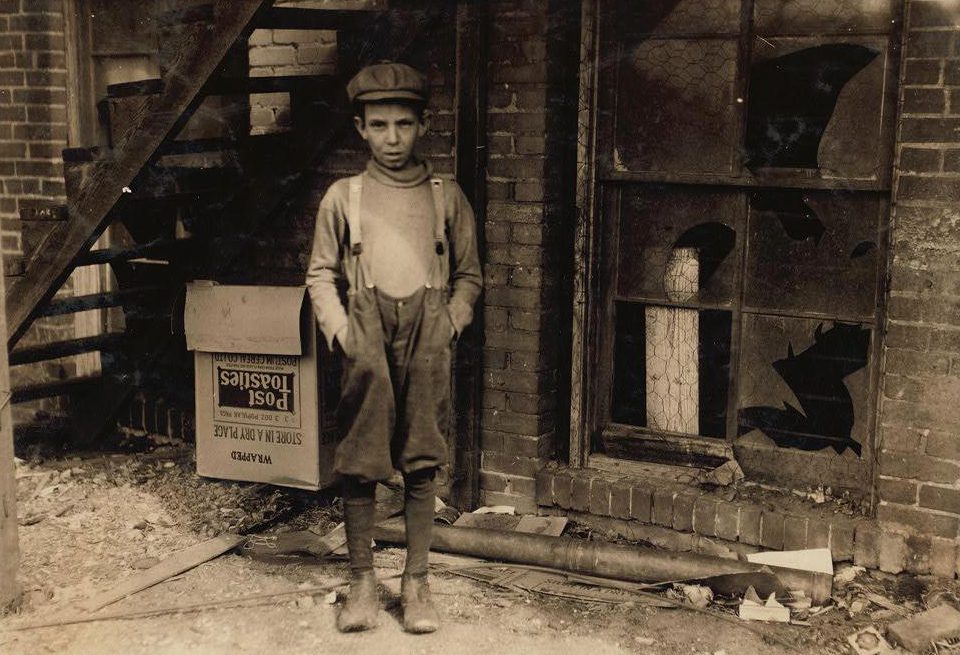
403	244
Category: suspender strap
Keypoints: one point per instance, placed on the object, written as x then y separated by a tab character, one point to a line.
440	212
353	214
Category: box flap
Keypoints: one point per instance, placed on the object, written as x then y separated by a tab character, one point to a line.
243	319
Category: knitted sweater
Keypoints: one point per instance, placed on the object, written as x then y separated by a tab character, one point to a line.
397	222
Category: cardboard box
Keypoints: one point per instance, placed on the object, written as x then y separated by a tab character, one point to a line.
258	404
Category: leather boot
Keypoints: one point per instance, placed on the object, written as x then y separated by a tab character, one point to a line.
419	614
359	612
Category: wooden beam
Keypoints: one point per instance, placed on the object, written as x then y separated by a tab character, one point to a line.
9	543
293	18
90	209
473	22
66	348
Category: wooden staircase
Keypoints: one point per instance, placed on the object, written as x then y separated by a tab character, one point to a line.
185	193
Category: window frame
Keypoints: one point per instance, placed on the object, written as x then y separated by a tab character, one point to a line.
599	191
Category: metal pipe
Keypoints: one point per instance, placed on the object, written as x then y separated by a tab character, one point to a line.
605	560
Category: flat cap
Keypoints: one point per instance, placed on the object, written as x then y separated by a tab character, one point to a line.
389	81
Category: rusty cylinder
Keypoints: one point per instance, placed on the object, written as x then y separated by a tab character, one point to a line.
605	560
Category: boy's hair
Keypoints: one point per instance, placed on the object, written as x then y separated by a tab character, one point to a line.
359	107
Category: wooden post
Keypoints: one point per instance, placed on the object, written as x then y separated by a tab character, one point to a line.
672	348
9	546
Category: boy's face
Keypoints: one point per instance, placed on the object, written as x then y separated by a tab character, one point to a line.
391	131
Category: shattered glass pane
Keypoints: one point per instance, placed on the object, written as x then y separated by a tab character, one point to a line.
814	252
676	106
816	105
804	384
821	16
660	374
657	221
675	17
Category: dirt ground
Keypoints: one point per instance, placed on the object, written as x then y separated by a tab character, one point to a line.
89	522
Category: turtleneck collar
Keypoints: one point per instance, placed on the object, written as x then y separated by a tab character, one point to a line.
407	177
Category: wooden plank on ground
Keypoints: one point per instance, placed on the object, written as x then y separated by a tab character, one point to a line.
176	564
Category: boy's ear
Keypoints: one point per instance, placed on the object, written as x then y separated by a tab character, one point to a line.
361	126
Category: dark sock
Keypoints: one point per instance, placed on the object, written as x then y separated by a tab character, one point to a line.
358	517
418	496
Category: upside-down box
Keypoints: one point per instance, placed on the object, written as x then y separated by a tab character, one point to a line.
257	399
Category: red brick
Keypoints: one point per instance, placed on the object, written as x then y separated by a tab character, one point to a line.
901	440
818	533
528	191
517	381
580	493
894	490
516	167
771	530
620	500
945	445
795	532
892	552
942	13
523	504
662	513
531	403
513	422
842	533
941	498
545	487
500	463
921	467
523	445
929	130
518	122
705	516
943	557
917	559
750	524
562	489
683	512
728	521
641	504
942	189
922	521
600	497
920	160
866	548
930	44
924	101
922	71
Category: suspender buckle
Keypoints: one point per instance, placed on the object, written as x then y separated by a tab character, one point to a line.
356	249
439	247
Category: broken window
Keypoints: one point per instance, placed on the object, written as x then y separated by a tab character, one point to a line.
743	155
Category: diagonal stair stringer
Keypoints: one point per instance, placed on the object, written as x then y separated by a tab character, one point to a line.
89	211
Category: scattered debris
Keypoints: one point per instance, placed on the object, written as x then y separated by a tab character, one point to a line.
496	509
847	573
916	633
695	595
818	560
724	475
551	526
177	563
752	608
869	641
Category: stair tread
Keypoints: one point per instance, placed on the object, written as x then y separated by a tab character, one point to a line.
55	349
102	300
51	388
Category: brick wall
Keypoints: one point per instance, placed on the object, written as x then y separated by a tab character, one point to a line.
33	111
524	304
919	434
33	132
